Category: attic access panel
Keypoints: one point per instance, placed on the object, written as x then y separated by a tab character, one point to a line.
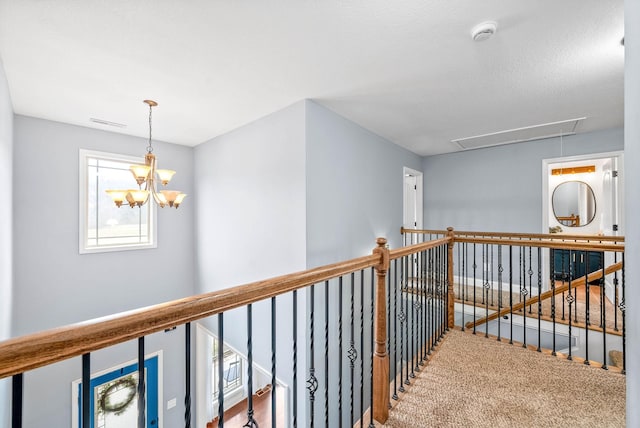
520	135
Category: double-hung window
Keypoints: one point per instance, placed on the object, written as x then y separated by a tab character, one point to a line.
104	226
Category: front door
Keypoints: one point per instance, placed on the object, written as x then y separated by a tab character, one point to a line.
115	397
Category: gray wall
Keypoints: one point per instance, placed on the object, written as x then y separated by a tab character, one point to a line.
250	218
632	200
6	223
499	189
55	285
354	187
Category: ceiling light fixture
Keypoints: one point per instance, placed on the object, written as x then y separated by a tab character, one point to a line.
146	174
483	31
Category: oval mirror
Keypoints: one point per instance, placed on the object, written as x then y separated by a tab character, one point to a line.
574	203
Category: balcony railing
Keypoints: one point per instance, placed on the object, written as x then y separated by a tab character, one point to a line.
561	293
358	331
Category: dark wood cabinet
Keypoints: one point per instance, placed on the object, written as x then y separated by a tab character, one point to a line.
569	264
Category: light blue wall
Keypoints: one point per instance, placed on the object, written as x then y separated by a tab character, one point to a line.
6	223
250	218
55	285
499	189
354	187
632	200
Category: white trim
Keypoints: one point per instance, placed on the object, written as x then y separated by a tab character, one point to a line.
82	206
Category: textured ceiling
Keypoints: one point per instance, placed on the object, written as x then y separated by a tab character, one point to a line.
408	71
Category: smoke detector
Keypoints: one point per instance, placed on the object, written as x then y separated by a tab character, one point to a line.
483	31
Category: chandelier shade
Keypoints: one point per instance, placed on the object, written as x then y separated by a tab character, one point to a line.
145	175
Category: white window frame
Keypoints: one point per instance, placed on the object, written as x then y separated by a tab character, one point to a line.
83	191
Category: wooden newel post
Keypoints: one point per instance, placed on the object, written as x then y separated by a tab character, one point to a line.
380	356
450	295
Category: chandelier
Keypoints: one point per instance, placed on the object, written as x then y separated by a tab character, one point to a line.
146	175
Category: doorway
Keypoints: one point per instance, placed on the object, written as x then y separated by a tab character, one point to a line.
412	199
582	195
114	396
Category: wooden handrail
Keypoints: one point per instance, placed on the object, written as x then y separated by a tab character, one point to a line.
35	350
548	294
546	243
550	236
415	248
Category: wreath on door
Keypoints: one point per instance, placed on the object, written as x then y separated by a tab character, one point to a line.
105	402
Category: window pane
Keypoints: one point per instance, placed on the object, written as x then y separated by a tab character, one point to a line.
106	224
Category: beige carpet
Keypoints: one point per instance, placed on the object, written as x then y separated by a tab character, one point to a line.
472	381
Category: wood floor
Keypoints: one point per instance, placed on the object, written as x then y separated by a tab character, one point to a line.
236	416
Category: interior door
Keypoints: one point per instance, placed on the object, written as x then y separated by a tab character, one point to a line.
115	397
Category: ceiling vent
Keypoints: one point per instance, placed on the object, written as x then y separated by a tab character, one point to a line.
107	122
520	135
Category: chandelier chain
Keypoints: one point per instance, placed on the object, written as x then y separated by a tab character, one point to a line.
149	147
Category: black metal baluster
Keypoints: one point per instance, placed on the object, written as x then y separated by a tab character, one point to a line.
486	285
523	294
423	309
220	370
274	329
361	348
326	354
623	309
17	393
294	391
553	299
141	385
371	425
615	293
353	354
389	353
500	270
563	276
575	309
491	282
86	390
587	320
187	375
474	288
340	356
520	277
395	331
460	270
570	300
603	311
251	422
312	382
530	272
511	293
539	300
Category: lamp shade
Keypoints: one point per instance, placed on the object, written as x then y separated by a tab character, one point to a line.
118	196
139	196
165	175
140	172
